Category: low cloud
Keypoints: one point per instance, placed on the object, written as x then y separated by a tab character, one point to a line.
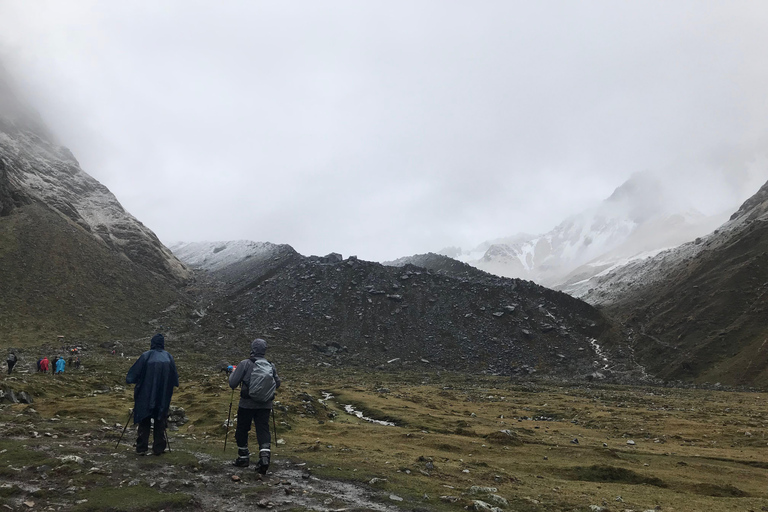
386	129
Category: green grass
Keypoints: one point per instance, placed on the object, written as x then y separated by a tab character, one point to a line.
691	451
612	474
136	498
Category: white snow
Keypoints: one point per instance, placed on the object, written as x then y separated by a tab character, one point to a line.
213	256
595	242
50	174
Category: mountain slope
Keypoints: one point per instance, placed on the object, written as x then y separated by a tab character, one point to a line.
72	261
58	281
34	168
212	256
698	311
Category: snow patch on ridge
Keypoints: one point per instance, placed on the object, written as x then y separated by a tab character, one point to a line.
212	256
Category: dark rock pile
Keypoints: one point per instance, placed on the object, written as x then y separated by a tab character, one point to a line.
353	312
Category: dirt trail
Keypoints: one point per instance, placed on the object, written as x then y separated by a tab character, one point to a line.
212	483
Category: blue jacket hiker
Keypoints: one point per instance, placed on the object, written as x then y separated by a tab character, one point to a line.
258	381
155	376
60	365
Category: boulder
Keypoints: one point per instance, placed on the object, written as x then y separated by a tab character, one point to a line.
8	396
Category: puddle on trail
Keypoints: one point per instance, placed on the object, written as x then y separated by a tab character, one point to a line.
351	410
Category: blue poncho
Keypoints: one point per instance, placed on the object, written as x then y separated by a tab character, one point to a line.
155	376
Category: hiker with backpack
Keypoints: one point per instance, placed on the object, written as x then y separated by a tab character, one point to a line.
258	381
155	376
11	360
44	364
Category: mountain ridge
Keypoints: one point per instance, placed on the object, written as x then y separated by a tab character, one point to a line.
695	312
632	221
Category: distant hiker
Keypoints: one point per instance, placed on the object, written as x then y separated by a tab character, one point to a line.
44	364
77	362
11	360
38	364
258	380
155	376
60	363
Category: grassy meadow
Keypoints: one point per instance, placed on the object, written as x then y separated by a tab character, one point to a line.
524	446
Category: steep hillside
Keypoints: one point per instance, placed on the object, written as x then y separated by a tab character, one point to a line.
72	260
33	168
698	311
57	280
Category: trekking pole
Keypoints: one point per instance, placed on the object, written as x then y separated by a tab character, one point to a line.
130	413
229	414
274	427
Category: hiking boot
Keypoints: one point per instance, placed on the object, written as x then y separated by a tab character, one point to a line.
243	459
263	465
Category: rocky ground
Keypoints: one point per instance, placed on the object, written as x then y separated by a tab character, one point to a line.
62	468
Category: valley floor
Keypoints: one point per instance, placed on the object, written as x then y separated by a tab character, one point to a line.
458	441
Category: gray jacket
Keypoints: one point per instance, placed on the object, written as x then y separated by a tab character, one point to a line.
242	375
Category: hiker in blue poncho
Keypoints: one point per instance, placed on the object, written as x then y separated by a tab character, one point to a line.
255	403
155	376
60	365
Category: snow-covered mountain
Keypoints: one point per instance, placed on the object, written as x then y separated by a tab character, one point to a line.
35	169
615	283
633	222
212	256
697	311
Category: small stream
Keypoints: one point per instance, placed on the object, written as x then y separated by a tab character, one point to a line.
599	352
354	412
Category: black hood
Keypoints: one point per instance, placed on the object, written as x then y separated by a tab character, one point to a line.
158	342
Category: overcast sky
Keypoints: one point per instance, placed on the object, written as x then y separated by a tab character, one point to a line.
384	129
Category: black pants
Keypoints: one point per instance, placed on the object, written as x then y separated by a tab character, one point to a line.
158	438
260	418
10	366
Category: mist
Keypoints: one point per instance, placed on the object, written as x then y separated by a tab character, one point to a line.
385	129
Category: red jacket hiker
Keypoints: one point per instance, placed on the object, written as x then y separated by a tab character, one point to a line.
44	364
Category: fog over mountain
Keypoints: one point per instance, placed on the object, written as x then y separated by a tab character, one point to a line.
640	218
389	129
